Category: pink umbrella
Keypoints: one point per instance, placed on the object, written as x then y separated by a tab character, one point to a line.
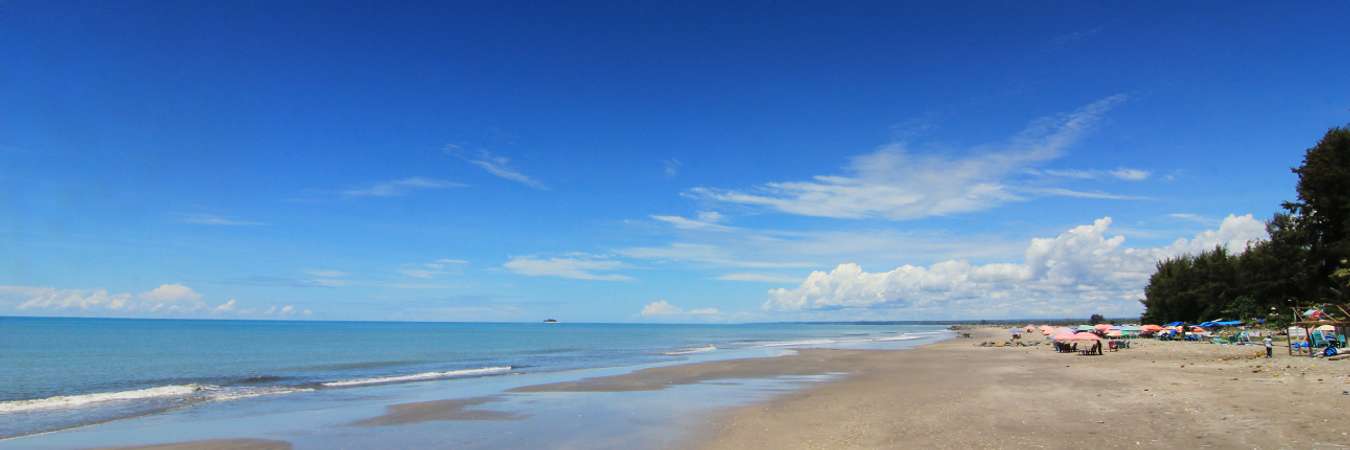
1063	335
1113	333
1150	328
1085	336
1102	326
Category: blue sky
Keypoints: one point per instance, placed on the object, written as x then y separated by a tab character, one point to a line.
642	162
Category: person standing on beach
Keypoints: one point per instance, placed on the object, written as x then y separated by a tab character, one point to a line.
1270	347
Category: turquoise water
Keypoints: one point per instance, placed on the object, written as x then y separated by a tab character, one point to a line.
60	373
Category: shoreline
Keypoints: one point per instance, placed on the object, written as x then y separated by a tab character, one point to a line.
957	394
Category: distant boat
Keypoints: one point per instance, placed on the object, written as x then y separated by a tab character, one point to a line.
550	320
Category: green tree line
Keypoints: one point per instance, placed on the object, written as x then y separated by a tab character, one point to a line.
1303	261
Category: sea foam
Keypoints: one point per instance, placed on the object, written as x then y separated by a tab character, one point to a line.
424	376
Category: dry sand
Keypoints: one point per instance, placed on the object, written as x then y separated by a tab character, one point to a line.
956	394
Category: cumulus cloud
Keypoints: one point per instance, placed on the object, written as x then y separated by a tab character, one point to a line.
662	308
898	184
499	166
167	298
394	188
171	300
171	293
1082	270
578	267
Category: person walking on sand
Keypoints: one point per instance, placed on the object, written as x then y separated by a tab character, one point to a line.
1270	347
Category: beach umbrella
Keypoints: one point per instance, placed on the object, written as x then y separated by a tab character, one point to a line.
1085	328
1063	335
1151	328
1113	333
1102	327
1085	337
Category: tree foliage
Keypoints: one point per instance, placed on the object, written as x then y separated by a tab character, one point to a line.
1301	262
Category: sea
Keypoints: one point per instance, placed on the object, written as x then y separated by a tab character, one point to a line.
61	374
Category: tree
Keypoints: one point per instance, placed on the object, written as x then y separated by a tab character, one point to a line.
1096	319
1323	206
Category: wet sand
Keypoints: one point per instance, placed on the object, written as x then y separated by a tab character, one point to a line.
215	444
454	409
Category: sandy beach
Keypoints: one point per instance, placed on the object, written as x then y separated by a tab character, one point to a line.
958	394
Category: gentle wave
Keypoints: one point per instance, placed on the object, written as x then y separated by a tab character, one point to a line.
179	392
73	401
420	377
690	351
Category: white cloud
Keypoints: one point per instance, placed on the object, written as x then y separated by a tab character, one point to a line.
167	298
432	269
897	184
212	219
1128	174
1081	271
1062	192
499	166
226	307
1191	217
704	254
1122	173
662	308
326	273
759	278
394	188
580	267
327	277
706	221
671	167
171	293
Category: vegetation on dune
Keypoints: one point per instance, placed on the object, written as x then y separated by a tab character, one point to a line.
1304	260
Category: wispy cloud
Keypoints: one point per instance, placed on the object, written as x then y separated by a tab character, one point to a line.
671	167
898	184
662	308
1063	192
326	277
215	220
706	221
1192	217
759	278
577	267
1123	173
395	188
499	166
432	269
